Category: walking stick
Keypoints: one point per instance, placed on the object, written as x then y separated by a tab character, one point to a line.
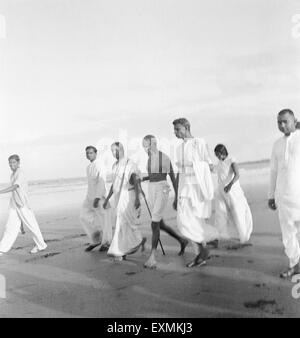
143	194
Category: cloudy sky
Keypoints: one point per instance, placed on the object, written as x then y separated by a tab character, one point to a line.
81	72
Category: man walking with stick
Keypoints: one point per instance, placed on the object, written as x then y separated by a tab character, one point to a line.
159	166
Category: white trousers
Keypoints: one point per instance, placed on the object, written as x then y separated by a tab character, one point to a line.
290	229
15	218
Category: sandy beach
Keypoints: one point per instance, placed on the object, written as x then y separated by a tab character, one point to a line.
64	281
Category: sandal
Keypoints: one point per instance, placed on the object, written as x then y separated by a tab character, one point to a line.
197	261
289	273
194	263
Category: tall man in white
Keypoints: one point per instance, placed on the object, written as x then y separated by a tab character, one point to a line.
96	221
195	191
20	211
284	192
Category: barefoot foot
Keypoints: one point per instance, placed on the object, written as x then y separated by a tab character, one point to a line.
150	263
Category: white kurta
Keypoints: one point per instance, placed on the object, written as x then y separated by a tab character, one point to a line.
20	212
285	188
97	222
127	236
233	215
195	191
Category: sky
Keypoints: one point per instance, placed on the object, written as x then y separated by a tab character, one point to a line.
81	72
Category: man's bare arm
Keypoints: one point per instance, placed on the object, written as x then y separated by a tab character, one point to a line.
173	179
9	189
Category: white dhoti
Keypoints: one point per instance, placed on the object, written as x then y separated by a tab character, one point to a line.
191	221
127	236
195	192
97	222
233	217
158	196
16	217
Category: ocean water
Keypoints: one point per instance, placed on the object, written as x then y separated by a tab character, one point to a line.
59	194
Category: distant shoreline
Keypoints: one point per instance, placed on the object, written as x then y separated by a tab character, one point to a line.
249	165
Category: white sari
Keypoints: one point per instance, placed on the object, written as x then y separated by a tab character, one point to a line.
233	215
195	191
127	236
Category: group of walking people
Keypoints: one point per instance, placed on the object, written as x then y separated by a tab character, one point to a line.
114	227
193	189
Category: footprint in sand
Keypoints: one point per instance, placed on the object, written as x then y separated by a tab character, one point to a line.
269	306
130	273
49	254
260	285
237	246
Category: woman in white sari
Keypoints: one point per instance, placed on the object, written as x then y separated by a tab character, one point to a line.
233	216
127	238
195	192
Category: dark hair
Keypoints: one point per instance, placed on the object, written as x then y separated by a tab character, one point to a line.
91	147
286	111
149	138
14	157
183	121
221	149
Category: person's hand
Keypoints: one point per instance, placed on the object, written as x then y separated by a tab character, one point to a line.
272	204
137	203
228	188
105	204
96	202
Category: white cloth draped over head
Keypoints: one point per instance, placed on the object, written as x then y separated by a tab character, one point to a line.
97	222
285	188
233	217
195	191
127	236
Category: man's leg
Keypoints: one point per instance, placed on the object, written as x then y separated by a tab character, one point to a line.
11	231
202	254
28	218
151	262
183	242
290	241
105	220
87	219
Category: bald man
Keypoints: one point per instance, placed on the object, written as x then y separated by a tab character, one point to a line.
284	192
159	166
